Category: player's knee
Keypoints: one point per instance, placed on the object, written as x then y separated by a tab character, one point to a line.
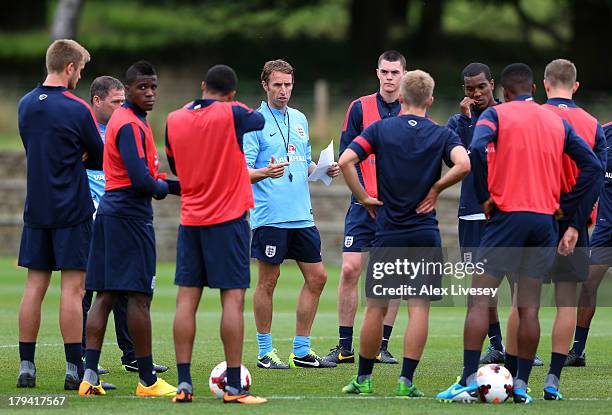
267	284
350	272
528	313
317	281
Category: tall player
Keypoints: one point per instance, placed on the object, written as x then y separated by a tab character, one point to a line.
106	95
560	85
122	256
517	153
478	87
359	227
204	148
601	260
56	128
282	221
409	152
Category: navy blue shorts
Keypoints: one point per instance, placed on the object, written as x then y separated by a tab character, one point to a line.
531	239
55	248
359	229
122	255
575	267
274	245
601	245
215	256
470	234
421	246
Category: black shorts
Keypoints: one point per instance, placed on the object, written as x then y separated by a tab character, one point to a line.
470	234
359	229
518	243
215	256
122	255
423	246
55	249
274	245
575	267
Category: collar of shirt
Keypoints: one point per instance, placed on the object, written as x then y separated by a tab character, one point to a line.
52	88
277	113
139	112
201	103
523	98
562	102
389	105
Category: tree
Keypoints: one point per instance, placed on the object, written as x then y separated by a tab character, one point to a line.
590	23
429	34
370	24
23	15
66	19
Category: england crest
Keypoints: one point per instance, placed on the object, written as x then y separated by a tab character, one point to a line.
348	241
301	131
270	250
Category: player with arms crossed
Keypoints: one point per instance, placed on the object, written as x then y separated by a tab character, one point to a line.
56	128
204	148
516	153
282	220
560	85
359	226
409	152
122	256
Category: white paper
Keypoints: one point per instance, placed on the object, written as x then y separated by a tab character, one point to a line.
326	159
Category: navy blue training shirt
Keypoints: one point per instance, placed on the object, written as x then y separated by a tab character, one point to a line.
409	152
464	128
56	128
604	209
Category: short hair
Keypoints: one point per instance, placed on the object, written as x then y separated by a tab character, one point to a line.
392	56
140	68
221	79
517	77
561	72
417	87
63	52
102	85
475	69
278	65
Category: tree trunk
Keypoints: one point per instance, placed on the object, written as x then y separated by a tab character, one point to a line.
591	27
368	31
66	19
23	15
430	27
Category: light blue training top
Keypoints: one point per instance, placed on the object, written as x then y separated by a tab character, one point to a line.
282	202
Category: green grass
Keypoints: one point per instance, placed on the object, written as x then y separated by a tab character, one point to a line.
292	391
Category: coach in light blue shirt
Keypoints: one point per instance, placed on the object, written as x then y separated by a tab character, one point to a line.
279	161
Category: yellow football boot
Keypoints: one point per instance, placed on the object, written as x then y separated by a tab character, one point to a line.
159	388
87	389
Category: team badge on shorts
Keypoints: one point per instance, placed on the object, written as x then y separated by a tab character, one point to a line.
270	250
348	241
467	257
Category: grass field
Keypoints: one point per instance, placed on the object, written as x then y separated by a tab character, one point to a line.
294	391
